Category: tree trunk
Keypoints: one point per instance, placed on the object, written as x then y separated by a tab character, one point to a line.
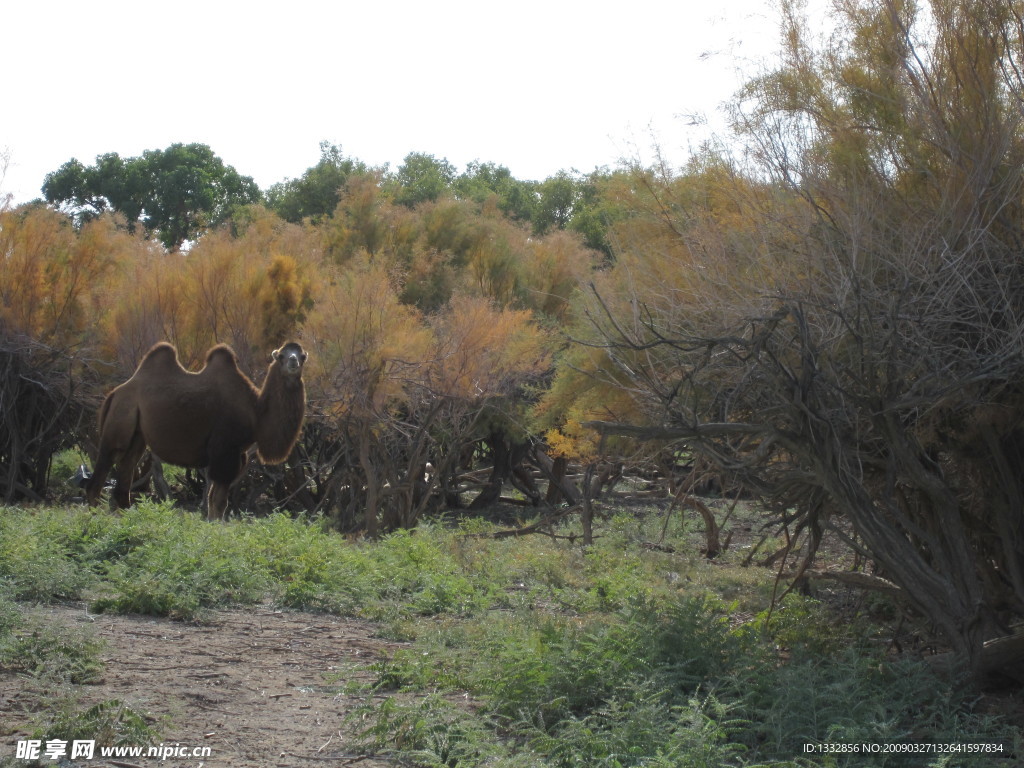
501	453
371	526
547	466
558	469
587	511
522	479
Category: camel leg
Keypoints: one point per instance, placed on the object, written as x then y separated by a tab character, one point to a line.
94	485
116	448
223	473
216	501
119	438
124	473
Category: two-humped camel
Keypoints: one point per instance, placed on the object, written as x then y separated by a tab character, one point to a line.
208	419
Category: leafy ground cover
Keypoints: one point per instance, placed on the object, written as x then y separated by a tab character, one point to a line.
518	651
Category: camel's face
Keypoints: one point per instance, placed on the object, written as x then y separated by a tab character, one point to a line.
291	357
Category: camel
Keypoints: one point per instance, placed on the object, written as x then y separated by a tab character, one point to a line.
208	419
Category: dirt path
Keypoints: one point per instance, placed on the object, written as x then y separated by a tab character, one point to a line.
253	684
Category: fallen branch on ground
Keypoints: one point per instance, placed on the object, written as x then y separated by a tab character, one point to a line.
537	527
851	579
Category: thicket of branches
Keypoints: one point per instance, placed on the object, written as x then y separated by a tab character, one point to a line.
844	333
40	414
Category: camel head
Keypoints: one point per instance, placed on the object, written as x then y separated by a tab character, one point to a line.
291	358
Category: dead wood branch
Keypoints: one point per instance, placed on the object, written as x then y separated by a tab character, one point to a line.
540	526
856	579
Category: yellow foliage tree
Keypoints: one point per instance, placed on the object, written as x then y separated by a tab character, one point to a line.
52	274
552	270
237	289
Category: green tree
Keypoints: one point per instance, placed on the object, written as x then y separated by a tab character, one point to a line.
422	178
188	188
111	184
481	182
558	197
577	203
175	193
316	193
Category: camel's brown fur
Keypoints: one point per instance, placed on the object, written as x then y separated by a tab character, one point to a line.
207	419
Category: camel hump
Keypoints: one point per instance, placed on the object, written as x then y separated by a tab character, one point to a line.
223	371
162	355
222	364
220	355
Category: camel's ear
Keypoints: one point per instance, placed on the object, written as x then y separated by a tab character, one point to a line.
275	354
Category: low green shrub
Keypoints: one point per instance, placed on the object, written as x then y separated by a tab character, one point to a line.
101	538
309	568
192	567
640	730
677	682
419	571
10	613
35	563
49	651
432	732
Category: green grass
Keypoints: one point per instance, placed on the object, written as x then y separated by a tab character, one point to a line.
519	651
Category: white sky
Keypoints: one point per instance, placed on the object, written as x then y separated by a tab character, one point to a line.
537	86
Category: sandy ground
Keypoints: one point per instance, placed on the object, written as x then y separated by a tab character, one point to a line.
254	685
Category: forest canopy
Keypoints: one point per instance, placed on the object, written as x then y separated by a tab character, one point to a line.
826	313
